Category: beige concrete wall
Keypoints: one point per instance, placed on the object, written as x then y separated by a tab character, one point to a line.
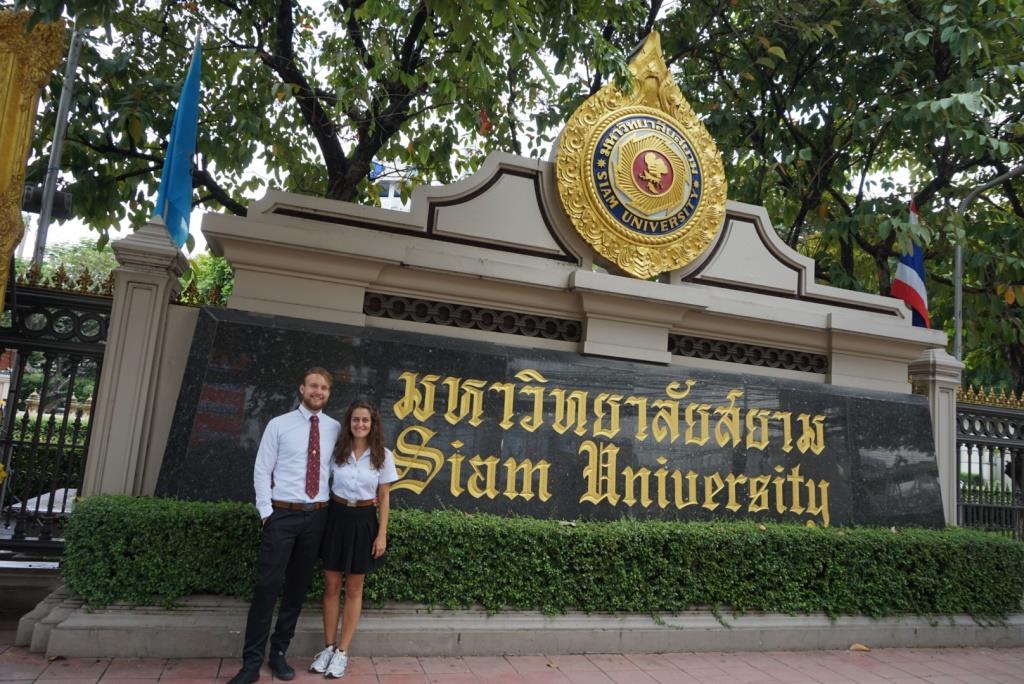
499	240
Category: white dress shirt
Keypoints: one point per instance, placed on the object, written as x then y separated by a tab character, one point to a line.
280	470
356	480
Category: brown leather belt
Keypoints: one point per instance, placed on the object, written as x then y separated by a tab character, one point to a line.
292	506
350	503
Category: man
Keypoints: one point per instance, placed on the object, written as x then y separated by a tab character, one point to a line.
290	478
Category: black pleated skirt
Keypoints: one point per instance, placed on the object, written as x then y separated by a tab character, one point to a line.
347	546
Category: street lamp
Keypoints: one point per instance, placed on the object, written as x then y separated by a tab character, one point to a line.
57	148
958	275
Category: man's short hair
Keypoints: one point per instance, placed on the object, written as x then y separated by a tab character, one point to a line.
322	372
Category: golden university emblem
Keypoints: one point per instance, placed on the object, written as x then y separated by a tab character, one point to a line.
639	175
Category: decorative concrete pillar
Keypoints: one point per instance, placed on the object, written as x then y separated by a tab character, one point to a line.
936	374
144	285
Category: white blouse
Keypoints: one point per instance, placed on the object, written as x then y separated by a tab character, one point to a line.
356	480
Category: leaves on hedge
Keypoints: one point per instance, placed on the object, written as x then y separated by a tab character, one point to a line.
146	551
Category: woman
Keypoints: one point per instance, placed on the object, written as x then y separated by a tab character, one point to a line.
355	538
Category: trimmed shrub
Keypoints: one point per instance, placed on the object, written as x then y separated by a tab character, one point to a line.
145	550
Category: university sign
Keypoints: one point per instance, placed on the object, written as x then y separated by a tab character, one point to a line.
486	427
668	430
522	429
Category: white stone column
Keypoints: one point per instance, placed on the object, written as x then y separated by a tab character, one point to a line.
144	285
936	374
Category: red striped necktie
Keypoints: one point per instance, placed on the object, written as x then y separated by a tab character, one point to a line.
313	458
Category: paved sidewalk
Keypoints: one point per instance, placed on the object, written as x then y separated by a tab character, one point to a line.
902	666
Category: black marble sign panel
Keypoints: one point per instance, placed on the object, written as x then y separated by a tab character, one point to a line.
510	430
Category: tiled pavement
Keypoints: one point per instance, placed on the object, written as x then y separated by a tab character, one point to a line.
894	666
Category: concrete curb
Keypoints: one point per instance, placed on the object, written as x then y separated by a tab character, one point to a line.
28	622
210	626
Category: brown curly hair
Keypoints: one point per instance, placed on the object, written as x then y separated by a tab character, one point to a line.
375	439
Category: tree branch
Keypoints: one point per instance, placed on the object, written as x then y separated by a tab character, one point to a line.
868	159
355	32
202	177
510	111
606	34
1011	192
138	172
966	288
944	177
313	113
112	149
652	15
411	46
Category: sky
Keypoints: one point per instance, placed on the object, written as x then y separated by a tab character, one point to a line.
73	230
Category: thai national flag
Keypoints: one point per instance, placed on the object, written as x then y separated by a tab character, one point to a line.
908	284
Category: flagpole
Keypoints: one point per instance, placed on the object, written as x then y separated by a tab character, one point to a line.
57	146
958	256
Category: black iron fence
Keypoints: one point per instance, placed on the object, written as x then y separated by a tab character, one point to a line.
55	341
990	460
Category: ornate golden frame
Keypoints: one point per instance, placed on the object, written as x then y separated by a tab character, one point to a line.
26	61
654	95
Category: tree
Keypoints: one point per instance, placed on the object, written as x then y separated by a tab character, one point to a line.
76	258
813	102
817	106
315	97
211	276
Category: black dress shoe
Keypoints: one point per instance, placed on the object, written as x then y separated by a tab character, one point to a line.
247	675
279	666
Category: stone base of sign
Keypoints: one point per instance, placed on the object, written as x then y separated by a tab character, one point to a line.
210	626
25	587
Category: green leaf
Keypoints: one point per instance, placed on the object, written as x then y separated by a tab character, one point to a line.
520	563
136	130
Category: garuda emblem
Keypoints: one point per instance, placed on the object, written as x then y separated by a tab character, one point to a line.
639	175
652	175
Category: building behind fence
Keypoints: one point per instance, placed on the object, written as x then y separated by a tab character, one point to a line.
990	452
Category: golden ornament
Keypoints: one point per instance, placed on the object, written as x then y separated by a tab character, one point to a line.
26	62
639	175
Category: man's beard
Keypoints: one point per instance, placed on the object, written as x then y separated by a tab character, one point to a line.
308	402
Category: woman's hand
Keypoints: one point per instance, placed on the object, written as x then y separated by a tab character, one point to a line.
380	545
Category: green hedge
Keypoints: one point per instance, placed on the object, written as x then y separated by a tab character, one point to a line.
144	550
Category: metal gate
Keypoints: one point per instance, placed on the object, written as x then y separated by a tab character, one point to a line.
55	340
990	460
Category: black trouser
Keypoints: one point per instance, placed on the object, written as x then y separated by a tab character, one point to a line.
291	541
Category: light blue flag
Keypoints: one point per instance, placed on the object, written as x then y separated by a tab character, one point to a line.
174	201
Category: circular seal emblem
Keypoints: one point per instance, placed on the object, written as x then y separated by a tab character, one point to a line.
640	178
645	174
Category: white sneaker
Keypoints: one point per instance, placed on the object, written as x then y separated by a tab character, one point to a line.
322	660
339	661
